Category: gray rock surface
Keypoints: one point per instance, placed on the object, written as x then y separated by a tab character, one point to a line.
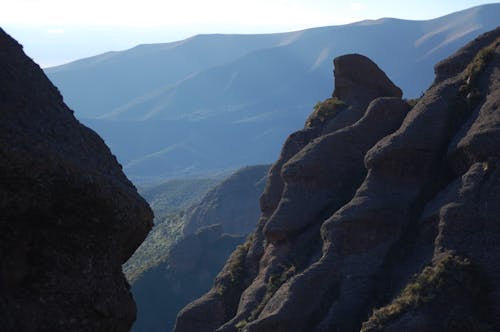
383	224
325	174
294	178
358	80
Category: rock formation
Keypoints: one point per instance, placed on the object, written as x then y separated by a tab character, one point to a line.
377	217
69	218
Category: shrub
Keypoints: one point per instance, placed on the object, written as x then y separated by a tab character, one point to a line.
324	111
231	282
241	324
414	101
274	282
482	58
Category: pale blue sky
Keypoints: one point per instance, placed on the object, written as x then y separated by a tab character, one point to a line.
58	31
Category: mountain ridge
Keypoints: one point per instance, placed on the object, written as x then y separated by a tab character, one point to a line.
259	87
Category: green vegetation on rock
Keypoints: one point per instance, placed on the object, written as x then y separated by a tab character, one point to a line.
156	247
235	270
414	101
175	195
452	278
273	284
324	111
480	61
169	202
469	92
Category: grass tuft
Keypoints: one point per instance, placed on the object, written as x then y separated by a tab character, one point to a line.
324	111
444	285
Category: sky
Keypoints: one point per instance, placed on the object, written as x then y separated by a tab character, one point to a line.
58	31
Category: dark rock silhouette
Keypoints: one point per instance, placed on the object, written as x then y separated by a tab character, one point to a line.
69	218
382	220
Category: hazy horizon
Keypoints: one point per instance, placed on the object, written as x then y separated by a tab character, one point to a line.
55	32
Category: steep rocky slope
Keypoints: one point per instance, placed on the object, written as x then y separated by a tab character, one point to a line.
377	217
184	274
233	204
169	202
167	273
176	195
69	218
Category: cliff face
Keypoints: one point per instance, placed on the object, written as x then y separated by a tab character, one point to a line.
376	216
69	218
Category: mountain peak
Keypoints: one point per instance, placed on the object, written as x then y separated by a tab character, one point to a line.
358	80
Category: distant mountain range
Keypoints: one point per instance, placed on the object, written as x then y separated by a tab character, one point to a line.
212	103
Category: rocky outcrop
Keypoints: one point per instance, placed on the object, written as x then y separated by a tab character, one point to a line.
325	132
358	80
233	204
462	215
69	218
376	218
309	177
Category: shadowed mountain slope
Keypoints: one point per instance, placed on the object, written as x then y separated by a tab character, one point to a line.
172	267
161	107
233	204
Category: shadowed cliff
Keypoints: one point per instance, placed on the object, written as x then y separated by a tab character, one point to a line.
69	218
378	215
